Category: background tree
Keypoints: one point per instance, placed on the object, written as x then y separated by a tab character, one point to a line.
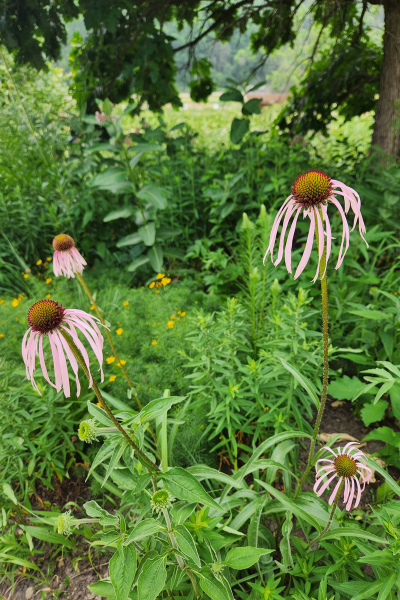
128	51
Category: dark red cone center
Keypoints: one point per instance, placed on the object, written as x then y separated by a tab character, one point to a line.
45	316
63	242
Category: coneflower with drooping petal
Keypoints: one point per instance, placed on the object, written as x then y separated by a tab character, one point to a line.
66	260
48	318
312	192
346	465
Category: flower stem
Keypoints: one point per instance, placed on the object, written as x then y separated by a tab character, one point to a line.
113	350
325	337
77	354
335	503
174	544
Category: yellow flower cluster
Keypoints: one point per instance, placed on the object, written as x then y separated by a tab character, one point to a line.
162	280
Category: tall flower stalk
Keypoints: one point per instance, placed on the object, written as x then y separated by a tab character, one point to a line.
67	261
312	193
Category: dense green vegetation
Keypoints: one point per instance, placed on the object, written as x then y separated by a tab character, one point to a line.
168	198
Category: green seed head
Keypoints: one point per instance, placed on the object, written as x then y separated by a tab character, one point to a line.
65	523
87	431
161	500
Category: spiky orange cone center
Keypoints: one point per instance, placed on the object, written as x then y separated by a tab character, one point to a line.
63	242
312	188
45	316
345	466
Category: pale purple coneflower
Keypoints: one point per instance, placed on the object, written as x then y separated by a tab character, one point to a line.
311	194
346	466
66	260
48	318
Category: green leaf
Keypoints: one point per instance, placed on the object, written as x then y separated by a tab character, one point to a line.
284	545
156	408
103	588
43	534
184	486
101	148
395	399
122	213
122	571
186	543
139	262
156	258
390	481
144	529
9	492
252	107
141	148
167	232
387	585
375	315
304	382
129	240
239	128
373	412
345	388
105	452
153	194
93	509
100	414
368	592
353	532
147	233
205	472
384	434
244	557
16	560
152	578
113	179
211	586
232	96
291	505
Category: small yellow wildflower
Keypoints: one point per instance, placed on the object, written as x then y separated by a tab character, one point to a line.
125	303
110	359
48	280
1	301
20	297
119	331
183	314
92	307
170	324
17	318
160	275
123	362
1	334
39	262
152	285
98	404
49	258
15	303
154	343
165	280
112	378
157	291
26	275
172	317
48	296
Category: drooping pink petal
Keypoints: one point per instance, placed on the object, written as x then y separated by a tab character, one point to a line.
332	496
325	470
43	364
71	331
308	248
346	489
321	240
351	494
63	363
73	361
348	445
56	362
289	242
325	485
345	234
328	238
275	227
358	491
289	213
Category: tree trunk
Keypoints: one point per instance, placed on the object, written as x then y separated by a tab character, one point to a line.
386	133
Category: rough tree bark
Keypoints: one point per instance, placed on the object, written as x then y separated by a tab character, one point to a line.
386	132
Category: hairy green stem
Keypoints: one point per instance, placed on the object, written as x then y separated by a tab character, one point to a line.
335	503
174	544
77	354
325	337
